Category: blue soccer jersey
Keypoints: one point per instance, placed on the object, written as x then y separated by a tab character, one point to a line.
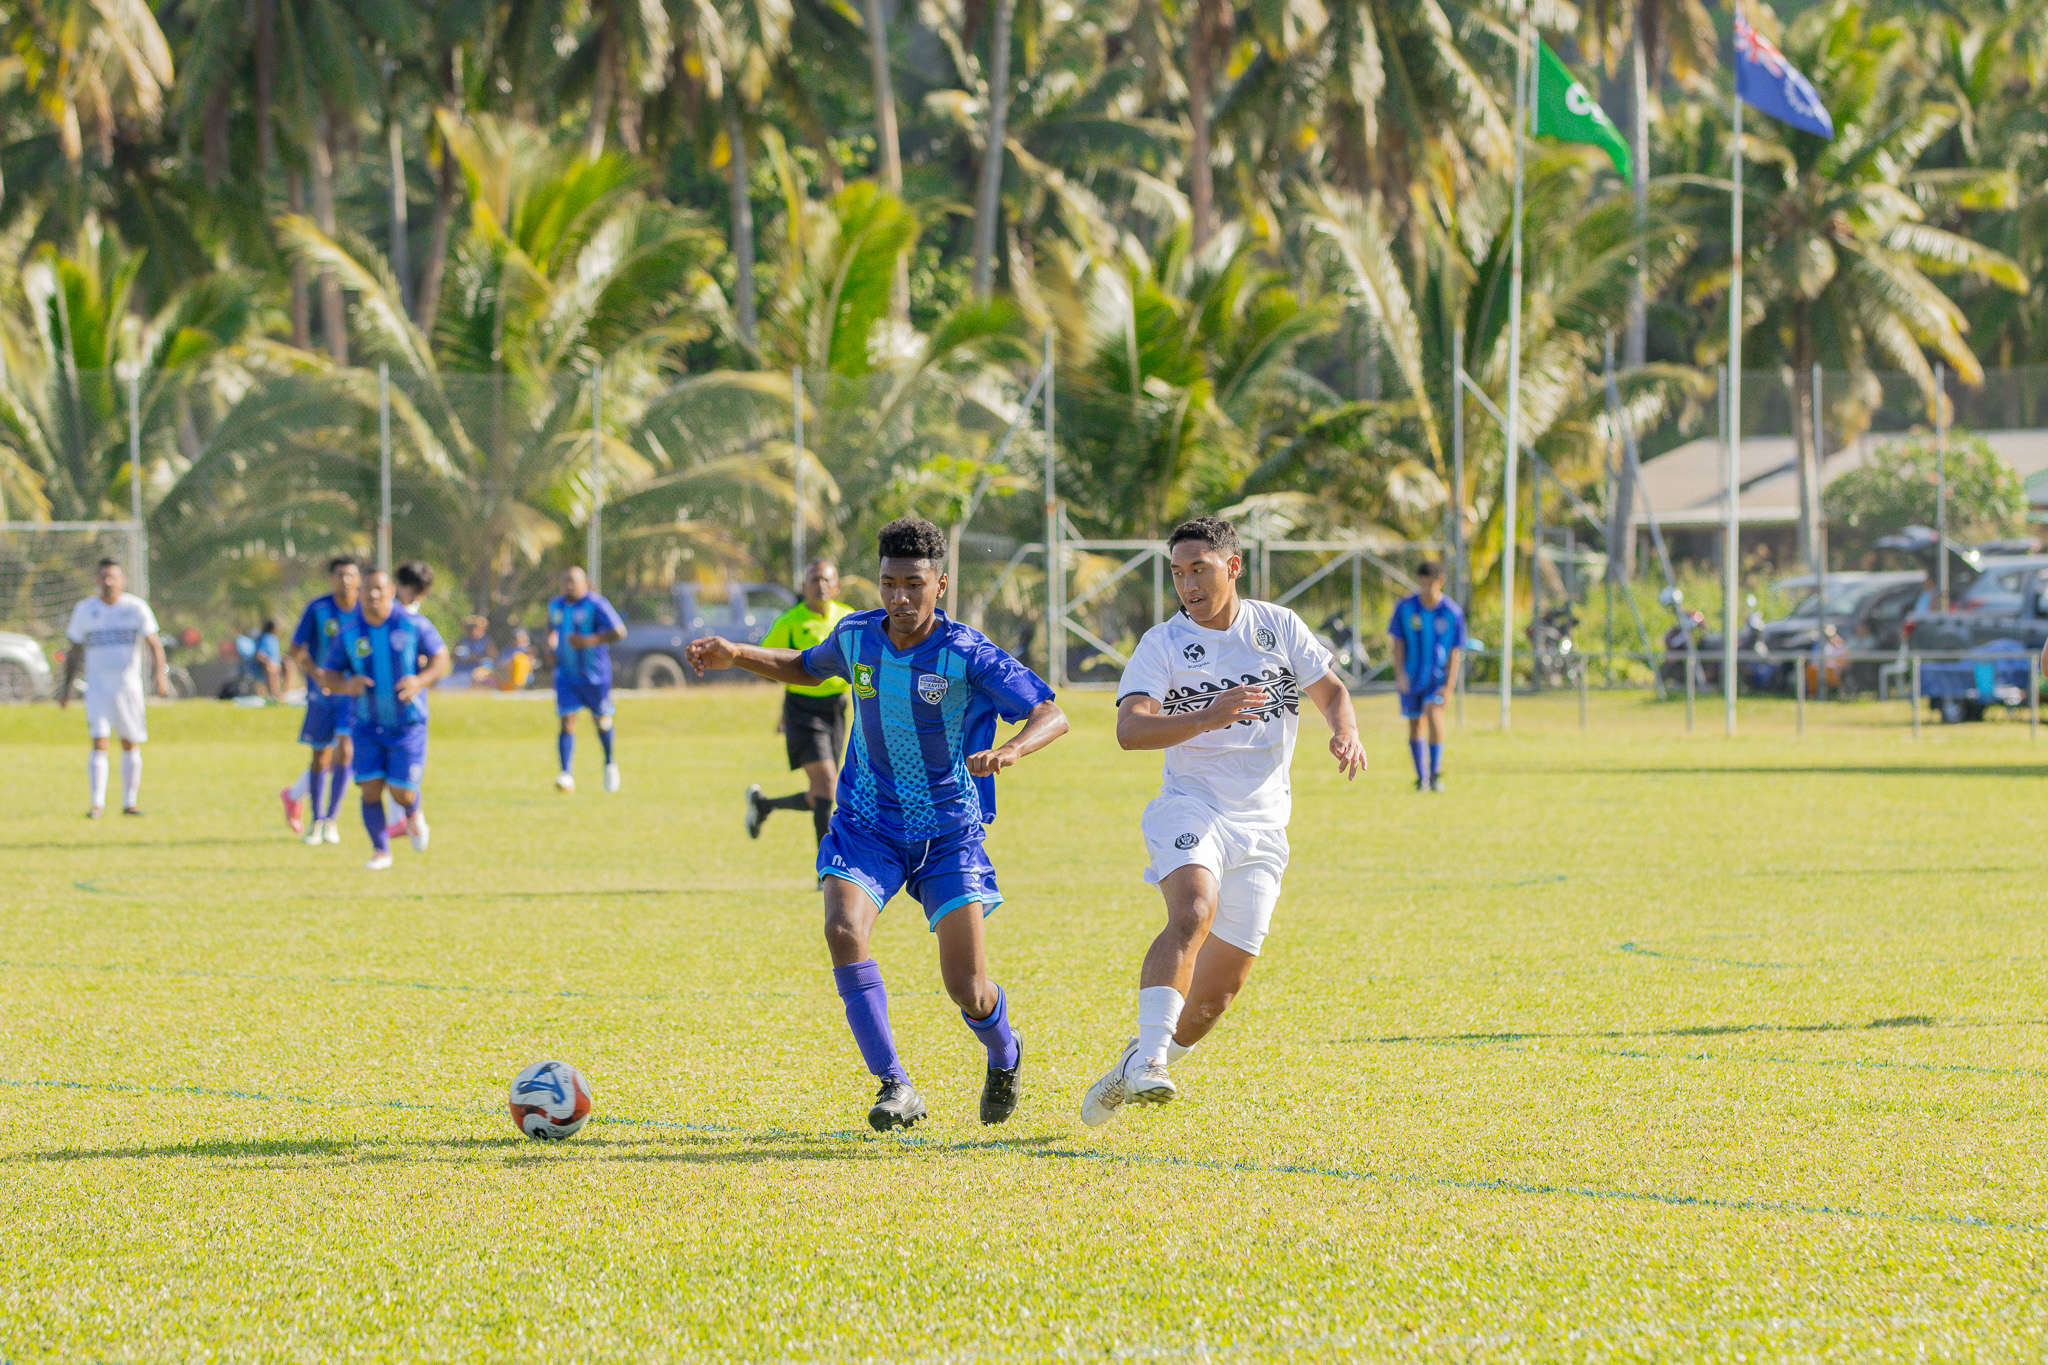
319	624
401	647
917	715
590	616
1427	636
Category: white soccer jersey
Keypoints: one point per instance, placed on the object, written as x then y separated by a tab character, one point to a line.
1240	770
112	637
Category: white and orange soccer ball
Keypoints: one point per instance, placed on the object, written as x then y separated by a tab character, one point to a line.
550	1101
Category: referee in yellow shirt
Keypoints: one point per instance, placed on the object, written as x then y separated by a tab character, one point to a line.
813	721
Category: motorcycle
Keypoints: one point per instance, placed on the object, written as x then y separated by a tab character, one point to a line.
1555	658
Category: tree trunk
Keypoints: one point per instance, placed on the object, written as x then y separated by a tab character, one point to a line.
266	81
742	224
214	135
988	196
333	312
601	91
1804	446
885	137
1201	183
428	300
401	246
302	313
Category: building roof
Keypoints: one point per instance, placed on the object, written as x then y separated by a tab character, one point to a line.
1688	486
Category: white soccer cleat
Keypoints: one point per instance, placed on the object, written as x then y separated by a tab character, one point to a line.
564	782
1148	1083
416	830
379	862
330	832
1106	1096
611	777
314	832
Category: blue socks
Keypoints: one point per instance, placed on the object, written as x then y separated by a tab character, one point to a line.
996	1034
565	746
337	787
1418	750
604	737
1436	760
867	1014
373	821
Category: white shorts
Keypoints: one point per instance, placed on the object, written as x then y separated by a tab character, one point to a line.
115	711
1247	863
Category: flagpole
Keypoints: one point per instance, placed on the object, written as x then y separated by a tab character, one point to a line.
1732	569
1514	415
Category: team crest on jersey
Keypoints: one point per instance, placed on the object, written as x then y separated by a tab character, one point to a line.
1265	639
1194	652
1414	620
864	680
1187	841
932	688
333	627
363	649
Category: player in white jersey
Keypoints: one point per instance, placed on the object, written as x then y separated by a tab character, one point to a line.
109	633
1219	688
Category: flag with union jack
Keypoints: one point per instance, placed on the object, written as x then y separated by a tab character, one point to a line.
1765	81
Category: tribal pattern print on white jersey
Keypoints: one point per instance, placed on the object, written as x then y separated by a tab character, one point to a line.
112	636
1240	770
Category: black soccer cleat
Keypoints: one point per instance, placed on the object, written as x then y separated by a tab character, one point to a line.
896	1106
755	815
131	810
1436	782
999	1089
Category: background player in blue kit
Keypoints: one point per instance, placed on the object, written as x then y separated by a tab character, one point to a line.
386	658
329	718
581	627
1429	644
913	797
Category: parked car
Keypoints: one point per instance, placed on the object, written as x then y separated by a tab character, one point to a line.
1868	610
24	670
2007	601
651	655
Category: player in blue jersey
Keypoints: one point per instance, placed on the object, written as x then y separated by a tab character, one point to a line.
328	718
917	787
581	628
1429	644
386	658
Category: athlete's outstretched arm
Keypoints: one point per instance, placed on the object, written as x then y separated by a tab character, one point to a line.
1141	725
74	660
411	687
781	665
1042	725
1334	701
161	677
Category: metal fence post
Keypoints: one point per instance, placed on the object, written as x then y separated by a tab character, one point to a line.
1582	694
593	540
1916	696
1799	704
1691	674
2033	696
384	466
139	549
1055	562
796	521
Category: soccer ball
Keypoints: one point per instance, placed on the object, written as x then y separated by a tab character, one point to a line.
550	1101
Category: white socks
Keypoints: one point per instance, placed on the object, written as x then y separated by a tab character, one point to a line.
1174	1052
131	777
96	773
1158	1014
302	788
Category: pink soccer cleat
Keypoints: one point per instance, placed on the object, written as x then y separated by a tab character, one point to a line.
294	811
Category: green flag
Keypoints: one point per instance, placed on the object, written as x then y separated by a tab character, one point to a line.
1564	110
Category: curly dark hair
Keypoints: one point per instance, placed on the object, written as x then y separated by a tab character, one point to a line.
414	574
912	538
1219	534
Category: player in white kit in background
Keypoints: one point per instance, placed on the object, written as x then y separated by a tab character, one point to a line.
1219	687
109	634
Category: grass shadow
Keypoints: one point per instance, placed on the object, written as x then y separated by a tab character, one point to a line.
1699	1030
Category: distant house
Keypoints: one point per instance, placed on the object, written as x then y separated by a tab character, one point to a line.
1687	488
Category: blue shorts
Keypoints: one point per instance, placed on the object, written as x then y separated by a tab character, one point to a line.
328	718
943	873
1412	703
572	696
395	757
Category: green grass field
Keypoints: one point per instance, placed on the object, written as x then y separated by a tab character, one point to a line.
1631	1045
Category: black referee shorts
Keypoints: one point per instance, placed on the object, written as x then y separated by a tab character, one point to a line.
813	728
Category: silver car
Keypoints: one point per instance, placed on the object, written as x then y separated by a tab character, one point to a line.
24	672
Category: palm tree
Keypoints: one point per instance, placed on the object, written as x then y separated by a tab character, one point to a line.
1840	259
88	64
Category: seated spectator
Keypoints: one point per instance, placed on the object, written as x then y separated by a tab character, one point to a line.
475	659
262	657
515	665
